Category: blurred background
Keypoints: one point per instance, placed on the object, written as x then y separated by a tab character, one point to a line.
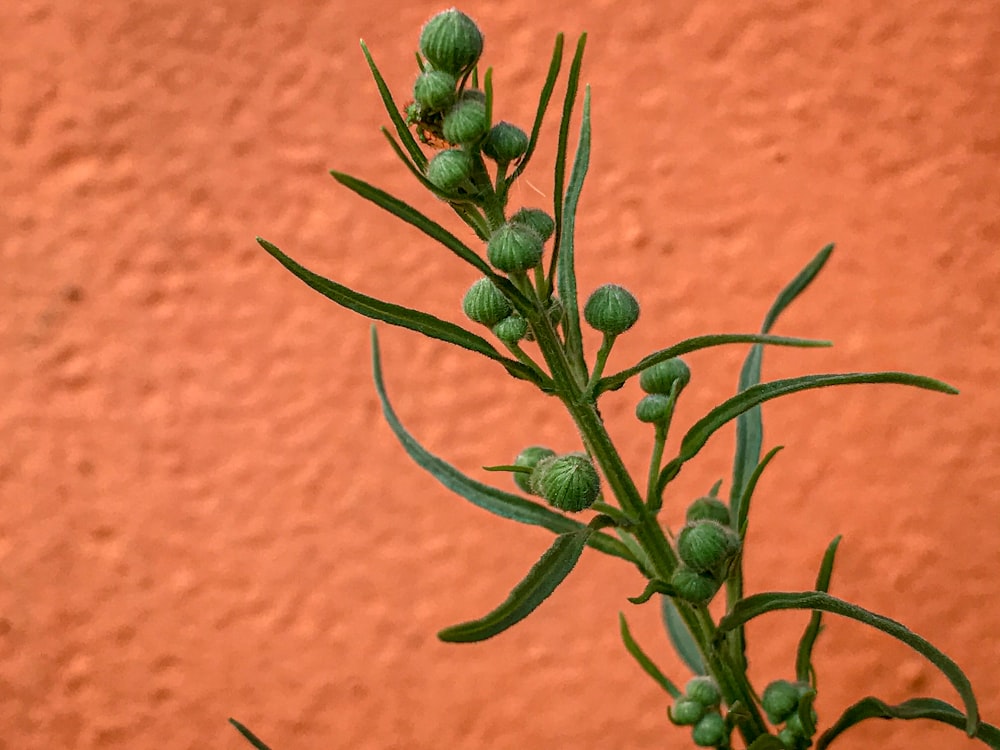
202	512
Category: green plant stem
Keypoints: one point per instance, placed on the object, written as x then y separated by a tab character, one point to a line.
599	363
648	532
659	441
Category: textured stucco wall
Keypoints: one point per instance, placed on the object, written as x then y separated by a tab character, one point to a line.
201	511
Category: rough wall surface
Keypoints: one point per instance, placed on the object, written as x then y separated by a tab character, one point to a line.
202	513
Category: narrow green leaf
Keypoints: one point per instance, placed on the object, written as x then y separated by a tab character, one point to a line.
393	111
488	91
432	229
759	604
563	255
680	637
742	520
403	317
543	103
704	428
503	504
616	381
562	146
749	426
803	659
915	708
250	736
767	742
644	661
655	586
543	578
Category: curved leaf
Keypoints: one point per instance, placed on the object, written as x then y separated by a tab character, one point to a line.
644	661
616	381
680	637
543	578
749	425
563	255
703	429
503	504
915	708
759	604
403	317
249	736
743	516
543	103
393	111
803	658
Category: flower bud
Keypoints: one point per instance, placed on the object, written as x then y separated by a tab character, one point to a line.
710	731
514	247
511	329
449	169
485	304
789	739
686	712
505	142
707	546
538	220
451	42
434	90
465	122
530	457
707	509
780	699
704	690
653	408
569	482
697	588
611	309
659	378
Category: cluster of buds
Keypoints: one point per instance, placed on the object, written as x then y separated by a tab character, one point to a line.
700	708
662	383
782	702
707	547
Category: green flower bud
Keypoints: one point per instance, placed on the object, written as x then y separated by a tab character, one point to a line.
449	169
569	482
653	408
697	588
707	508
485	304
611	309
794	723
686	712
451	42
538	220
780	699
707	546
514	247
511	329
710	731
659	378
505	142
434	90
704	690
530	457
465	122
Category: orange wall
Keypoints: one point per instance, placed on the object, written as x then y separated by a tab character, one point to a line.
201	511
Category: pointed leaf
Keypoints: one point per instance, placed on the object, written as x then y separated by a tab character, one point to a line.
742	520
393	111
915	708
644	661
543	578
767	742
680	637
759	604
398	315
250	736
543	104
503	504
616	381
699	434
803	659
563	255
749	425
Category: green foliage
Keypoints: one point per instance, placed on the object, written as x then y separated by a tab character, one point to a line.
531	308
